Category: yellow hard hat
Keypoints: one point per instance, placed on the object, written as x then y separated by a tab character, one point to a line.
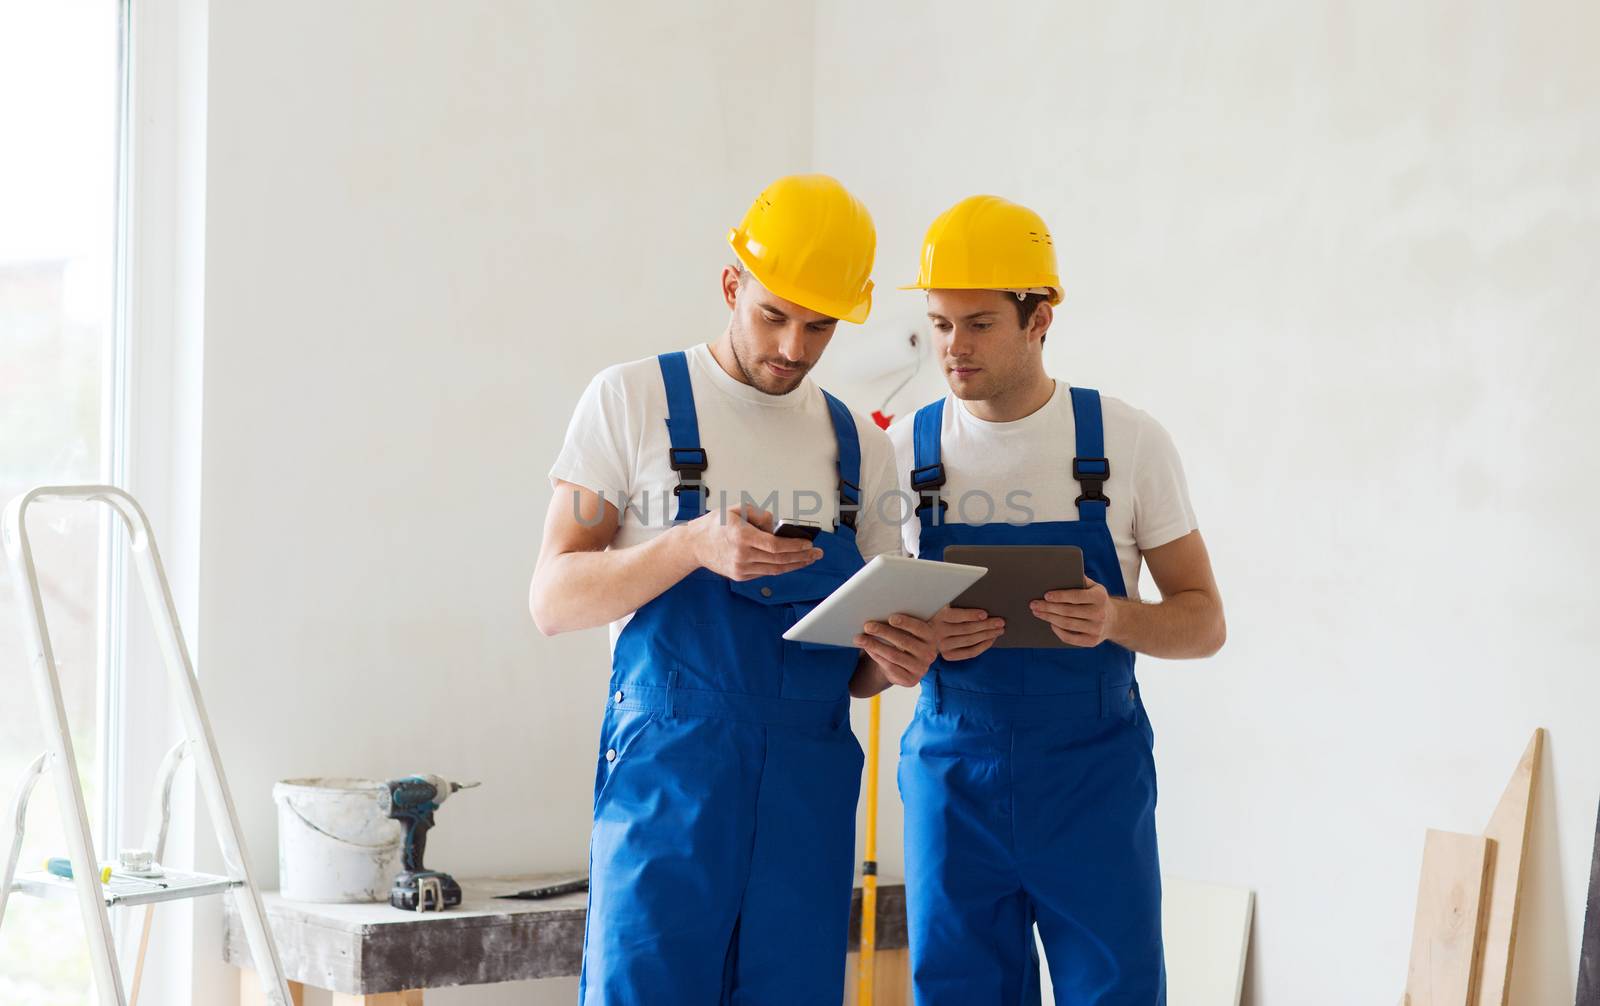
807	239
988	243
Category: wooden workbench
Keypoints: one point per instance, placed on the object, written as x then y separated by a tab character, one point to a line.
375	955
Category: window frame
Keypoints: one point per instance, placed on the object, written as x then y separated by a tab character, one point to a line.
160	313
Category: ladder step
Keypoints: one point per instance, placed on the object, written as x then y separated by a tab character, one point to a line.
128	890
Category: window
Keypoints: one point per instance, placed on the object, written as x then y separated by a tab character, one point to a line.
61	73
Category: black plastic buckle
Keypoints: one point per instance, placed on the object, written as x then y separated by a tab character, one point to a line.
1091	469
1091	474
925	483
849	502
927	477
697	465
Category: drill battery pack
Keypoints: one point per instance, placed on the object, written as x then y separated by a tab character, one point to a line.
424	891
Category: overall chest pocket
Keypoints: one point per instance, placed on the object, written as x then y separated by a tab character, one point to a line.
808	670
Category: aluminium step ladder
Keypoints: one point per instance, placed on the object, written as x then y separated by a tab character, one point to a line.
94	897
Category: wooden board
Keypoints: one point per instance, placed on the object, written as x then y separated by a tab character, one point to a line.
252	994
1508	829
410	998
1205	929
1589	952
1444	936
891	984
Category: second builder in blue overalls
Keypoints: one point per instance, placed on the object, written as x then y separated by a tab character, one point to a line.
1027	773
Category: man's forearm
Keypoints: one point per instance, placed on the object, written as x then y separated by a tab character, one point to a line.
579	590
1184	625
868	679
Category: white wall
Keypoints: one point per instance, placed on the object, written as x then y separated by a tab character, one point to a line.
427	227
1347	253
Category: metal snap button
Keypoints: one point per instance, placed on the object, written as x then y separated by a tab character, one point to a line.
611	754
766	591
619	695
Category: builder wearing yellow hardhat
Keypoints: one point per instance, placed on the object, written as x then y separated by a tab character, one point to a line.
725	791
1026	773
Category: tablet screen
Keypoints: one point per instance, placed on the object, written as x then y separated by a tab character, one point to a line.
1018	575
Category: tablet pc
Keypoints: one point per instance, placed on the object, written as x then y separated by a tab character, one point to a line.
888	585
1019	574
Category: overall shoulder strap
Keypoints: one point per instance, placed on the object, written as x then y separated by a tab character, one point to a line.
686	456
927	475
1090	467
849	443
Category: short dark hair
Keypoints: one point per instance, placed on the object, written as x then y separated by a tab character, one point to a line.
1026	305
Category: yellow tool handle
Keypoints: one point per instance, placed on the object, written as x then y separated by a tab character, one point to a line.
869	867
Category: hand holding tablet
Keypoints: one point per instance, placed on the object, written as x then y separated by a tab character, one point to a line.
1018	576
888	585
1002	580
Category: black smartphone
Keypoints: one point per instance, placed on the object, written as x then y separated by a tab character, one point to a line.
797	529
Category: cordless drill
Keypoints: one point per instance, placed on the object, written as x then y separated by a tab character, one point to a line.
412	801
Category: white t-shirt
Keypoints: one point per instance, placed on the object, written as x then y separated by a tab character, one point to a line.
778	449
1149	495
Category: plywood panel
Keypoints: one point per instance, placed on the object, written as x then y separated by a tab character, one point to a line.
1444	937
1508	828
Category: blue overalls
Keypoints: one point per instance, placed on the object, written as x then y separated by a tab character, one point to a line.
1030	788
722	856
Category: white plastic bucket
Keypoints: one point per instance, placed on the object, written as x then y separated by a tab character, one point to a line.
334	843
